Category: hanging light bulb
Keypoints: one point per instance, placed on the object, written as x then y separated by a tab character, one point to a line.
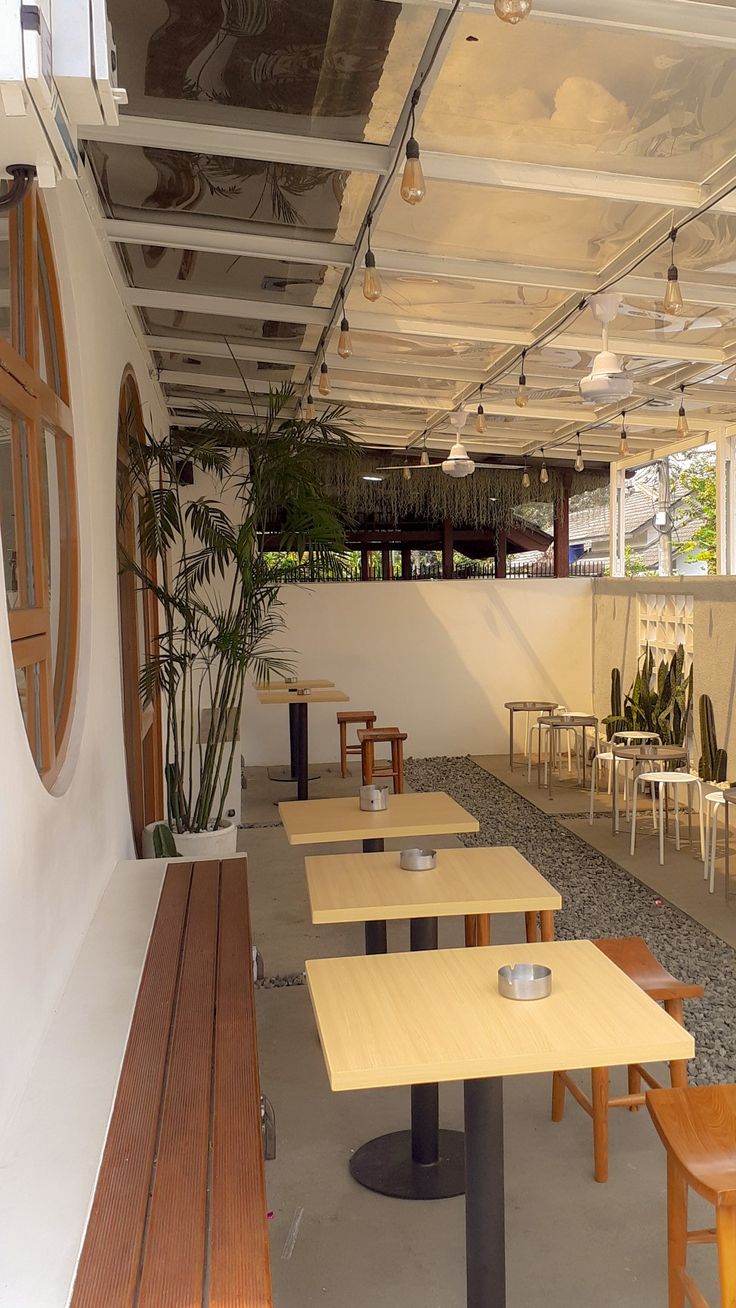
406	474
424	458
526	480
512	11
579	460
522	399
673	302
413	185
344	343
310	413
623	445
480	420
371	280
543	474
683	428
324	379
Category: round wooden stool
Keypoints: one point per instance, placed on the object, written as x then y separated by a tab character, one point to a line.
395	768
633	956
697	1127
344	720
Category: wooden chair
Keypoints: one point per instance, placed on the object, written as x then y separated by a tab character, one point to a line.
697	1127
478	927
395	767
365	719
632	955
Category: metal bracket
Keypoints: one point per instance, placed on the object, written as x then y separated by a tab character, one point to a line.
23	176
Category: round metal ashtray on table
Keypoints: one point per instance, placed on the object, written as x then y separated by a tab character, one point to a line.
524	981
373	799
303	692
418	860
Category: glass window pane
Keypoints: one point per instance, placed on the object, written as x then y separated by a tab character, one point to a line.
57	520
15	515
4	278
28	681
48	346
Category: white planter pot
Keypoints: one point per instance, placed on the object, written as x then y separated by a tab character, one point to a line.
197	844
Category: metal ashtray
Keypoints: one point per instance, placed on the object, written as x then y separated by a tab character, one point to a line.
302	693
524	981
418	860
374	799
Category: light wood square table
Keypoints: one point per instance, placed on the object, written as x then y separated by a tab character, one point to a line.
425	1162
299	701
299	683
401	1019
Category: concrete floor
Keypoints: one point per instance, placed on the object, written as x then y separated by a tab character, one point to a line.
570	1241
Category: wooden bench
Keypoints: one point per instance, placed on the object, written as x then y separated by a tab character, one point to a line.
179	1213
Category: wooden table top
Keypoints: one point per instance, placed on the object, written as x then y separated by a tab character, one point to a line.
299	683
405	1019
323	821
657	753
373	887
293	697
520	705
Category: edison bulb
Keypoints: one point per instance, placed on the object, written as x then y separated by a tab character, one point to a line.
683	427
623	445
543	474
406	474
579	461
480	420
673	302
413	185
310	412
512	11
371	280
324	380
522	399
344	343
526	480
424	459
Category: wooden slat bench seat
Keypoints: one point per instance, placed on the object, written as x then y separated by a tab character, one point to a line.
178	1218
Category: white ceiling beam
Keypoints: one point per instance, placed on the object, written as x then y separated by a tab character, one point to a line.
241	143
232	242
217	349
226	305
338	395
236	244
697	21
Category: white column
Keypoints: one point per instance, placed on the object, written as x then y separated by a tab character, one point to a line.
726	502
617	521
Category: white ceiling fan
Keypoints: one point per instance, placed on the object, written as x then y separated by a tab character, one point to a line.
458	462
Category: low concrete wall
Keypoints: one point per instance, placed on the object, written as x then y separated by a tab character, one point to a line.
437	659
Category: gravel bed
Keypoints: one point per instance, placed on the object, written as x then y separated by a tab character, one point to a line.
602	899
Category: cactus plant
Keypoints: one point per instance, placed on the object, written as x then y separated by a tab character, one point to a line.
713	763
615	720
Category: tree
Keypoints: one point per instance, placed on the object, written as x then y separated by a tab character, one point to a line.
696	482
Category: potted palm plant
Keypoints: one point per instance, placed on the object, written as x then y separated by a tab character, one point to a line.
211	557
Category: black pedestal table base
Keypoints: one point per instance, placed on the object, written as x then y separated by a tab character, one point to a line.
375	932
485	1240
425	1162
386	1166
285	773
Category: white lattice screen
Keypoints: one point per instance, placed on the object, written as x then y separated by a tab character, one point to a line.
666	621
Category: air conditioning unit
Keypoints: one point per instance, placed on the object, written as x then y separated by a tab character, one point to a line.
57	72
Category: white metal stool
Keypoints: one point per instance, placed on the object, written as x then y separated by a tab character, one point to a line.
714	801
662	780
607	758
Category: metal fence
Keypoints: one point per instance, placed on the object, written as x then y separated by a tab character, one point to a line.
316	572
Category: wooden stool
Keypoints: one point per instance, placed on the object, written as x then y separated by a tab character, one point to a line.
344	720
634	958
478	927
697	1127
373	736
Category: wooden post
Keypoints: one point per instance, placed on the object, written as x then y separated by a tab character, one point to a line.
387	570
562	528
406	562
448	565
365	564
500	555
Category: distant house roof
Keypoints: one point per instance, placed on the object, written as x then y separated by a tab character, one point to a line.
590	524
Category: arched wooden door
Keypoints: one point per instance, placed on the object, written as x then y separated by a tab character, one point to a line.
142	723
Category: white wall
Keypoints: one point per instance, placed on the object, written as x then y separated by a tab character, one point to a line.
57	851
437	659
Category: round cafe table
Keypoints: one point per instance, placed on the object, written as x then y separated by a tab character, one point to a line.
563	722
639	755
524	706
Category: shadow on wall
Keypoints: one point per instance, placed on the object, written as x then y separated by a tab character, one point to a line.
436	659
